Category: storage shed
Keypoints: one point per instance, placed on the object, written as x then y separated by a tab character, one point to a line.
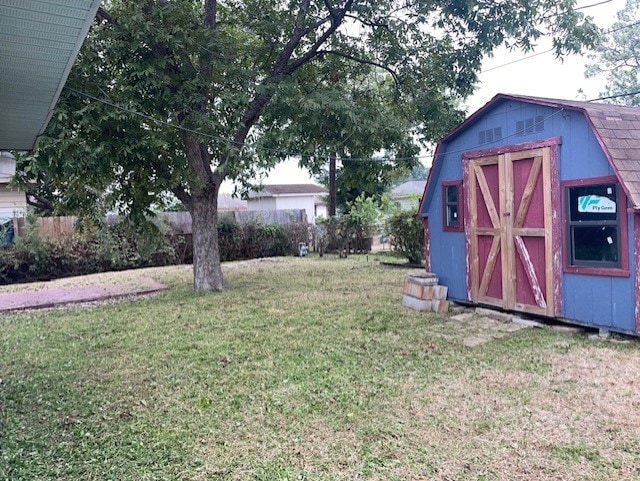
533	205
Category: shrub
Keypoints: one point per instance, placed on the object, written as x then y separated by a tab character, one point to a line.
407	235
127	246
254	239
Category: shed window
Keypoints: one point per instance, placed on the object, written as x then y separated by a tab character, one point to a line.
452	205
594	215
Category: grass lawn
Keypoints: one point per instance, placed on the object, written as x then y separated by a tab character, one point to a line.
307	369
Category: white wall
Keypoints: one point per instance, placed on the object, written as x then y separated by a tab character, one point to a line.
306	202
261	203
322	210
12	202
293	202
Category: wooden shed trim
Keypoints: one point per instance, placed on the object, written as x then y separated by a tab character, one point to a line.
623	270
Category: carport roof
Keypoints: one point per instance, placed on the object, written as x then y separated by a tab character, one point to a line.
39	41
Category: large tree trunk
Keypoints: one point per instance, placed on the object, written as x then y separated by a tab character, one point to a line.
207	271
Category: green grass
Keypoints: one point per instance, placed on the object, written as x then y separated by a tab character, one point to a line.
307	369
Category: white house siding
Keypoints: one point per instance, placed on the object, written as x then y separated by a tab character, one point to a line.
306	202
12	202
286	202
261	203
321	210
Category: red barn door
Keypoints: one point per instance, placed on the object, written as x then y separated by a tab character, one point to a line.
511	248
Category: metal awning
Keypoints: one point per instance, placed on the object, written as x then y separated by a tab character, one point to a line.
39	41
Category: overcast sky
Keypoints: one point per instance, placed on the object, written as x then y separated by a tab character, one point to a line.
540	76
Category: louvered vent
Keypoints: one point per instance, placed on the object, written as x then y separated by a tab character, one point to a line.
490	135
530	125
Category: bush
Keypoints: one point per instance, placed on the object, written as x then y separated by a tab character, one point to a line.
127	246
253	239
407	235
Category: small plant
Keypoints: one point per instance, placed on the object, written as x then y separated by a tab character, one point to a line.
407	235
363	219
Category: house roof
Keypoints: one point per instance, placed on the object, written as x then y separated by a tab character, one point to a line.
274	190
617	129
39	41
409	188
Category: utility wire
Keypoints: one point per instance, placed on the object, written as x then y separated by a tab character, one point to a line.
617	96
527	57
381	159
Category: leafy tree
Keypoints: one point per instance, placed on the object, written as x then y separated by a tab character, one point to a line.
179	95
618	56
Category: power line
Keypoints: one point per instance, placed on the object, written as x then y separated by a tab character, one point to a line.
617	96
527	57
234	143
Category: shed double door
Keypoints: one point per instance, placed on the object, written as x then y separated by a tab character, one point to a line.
511	248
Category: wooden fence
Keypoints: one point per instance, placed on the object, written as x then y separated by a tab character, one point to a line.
178	222
49	227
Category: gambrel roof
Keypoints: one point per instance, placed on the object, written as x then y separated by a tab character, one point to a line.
617	129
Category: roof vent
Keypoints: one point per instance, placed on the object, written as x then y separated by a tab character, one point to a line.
490	135
530	125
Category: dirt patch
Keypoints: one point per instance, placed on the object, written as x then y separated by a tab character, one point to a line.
473	330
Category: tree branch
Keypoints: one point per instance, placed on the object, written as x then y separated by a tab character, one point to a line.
103	16
40	203
368	23
336	21
183	196
283	67
363	61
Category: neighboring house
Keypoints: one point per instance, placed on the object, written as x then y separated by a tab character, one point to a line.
407	195
40	41
290	196
13	201
227	203
533	205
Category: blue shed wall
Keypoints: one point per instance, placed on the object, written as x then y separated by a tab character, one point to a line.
602	301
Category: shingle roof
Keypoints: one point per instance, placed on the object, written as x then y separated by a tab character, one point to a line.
410	187
288	189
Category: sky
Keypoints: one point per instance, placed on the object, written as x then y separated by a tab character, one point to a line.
540	76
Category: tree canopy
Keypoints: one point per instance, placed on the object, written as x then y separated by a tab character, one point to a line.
178	95
618	57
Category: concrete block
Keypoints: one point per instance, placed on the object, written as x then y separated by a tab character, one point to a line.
440	306
418	291
422	278
440	292
416	304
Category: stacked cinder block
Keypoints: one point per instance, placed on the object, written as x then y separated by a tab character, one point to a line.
423	293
